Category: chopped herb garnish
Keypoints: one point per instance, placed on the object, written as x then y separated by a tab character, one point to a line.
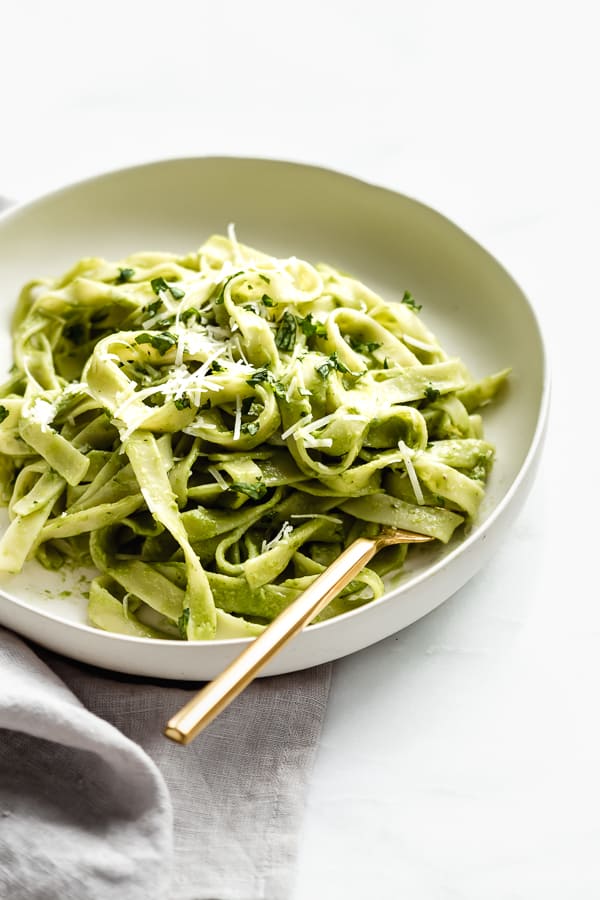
3	413
250	427
221	295
124	276
250	407
164	323
189	313
157	399
161	342
182	622
215	366
159	285
267	300
255	491
364	346
182	402
441	501
325	369
334	362
386	363
308	327
262	376
410	301
153	308
285	336
265	278
431	393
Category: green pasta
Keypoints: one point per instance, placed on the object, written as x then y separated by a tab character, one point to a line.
212	430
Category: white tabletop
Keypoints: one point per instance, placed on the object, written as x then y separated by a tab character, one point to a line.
459	758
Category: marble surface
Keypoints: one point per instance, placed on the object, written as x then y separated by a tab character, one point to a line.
459	758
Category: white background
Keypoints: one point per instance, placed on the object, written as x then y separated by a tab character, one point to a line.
460	758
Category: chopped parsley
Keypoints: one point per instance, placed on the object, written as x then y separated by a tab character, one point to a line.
325	369
255	491
182	402
221	295
410	301
190	313
3	413
159	285
182	622
153	308
332	363
265	278
431	393
215	366
161	342
364	346
124	276
310	328
164	323
250	407
285	336
264	376
267	300
157	399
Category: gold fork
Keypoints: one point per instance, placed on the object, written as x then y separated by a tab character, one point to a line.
212	699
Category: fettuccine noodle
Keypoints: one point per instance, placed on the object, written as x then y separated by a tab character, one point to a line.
211	430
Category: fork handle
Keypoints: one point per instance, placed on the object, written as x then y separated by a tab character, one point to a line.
212	699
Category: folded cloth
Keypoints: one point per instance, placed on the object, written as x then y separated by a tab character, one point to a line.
95	804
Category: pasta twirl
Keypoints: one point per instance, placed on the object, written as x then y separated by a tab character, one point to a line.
211	430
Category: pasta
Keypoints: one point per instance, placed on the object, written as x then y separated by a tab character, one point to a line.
211	430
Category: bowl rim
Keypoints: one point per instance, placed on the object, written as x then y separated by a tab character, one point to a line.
477	532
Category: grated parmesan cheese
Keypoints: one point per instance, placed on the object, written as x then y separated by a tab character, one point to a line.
237	425
42	412
282	535
218	477
237	253
315	443
321	423
296	427
410	471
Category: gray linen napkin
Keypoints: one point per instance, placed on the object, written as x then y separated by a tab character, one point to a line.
95	803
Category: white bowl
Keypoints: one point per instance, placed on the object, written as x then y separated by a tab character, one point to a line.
389	241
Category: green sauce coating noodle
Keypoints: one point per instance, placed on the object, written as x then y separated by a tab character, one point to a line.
212	430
